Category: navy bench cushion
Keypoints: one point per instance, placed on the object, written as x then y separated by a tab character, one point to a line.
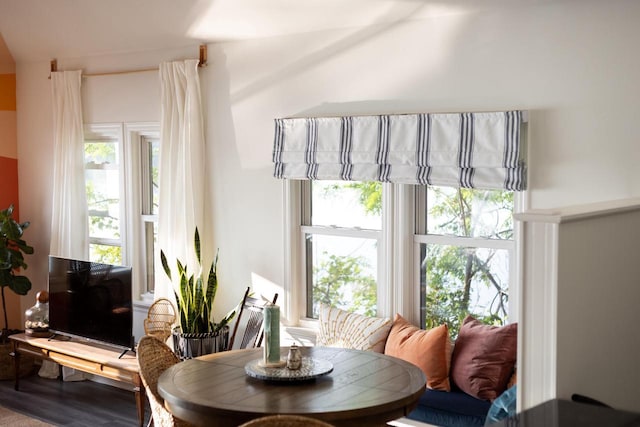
454	408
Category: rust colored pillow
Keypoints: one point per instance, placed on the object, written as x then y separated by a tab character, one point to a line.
483	358
430	350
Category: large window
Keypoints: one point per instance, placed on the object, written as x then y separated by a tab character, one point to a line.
461	259
121	175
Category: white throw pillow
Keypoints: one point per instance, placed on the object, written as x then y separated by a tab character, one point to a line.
339	328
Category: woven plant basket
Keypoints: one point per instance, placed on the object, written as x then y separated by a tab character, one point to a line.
188	346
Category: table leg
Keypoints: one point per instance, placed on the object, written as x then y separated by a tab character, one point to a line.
16	365
138	389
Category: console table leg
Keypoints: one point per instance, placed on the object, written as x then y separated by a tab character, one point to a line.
138	389
16	365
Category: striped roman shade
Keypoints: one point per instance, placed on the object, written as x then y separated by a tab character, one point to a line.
471	150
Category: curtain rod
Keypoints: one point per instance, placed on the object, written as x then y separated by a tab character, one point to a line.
202	62
525	114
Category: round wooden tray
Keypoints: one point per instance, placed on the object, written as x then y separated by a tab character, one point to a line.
310	369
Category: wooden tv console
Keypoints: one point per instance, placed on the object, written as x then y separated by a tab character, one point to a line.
84	356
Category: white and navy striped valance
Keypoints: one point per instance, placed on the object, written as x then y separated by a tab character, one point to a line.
472	150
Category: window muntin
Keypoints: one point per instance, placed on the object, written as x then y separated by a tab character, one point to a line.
341	236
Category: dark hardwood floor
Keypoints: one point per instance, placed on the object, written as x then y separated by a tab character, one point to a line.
73	404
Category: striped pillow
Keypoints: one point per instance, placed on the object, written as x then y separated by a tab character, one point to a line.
339	328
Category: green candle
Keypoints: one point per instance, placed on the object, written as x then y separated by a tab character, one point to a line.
271	334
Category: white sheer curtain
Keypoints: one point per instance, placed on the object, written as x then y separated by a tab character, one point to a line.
69	222
181	202
69	218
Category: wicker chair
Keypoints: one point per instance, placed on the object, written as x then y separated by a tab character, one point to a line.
285	421
160	319
251	318
154	357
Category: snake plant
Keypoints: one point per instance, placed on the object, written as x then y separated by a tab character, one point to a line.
195	295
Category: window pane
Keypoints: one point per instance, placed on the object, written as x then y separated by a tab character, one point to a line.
150	235
456	281
468	212
105	254
346	204
150	180
341	272
102	179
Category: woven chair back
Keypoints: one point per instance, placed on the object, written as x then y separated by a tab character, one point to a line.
285	421
160	319
155	357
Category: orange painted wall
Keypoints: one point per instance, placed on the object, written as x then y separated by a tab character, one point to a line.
9	173
8	92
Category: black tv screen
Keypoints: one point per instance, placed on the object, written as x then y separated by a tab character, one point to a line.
91	300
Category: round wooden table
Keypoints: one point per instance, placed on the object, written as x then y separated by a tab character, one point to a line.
364	388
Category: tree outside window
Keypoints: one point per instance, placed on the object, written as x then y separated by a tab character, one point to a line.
464	238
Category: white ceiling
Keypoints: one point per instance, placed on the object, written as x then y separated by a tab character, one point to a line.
36	30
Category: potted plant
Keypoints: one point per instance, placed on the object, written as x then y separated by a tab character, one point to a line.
197	333
12	251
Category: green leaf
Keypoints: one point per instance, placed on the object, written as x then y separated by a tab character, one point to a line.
165	264
196	242
212	282
21	285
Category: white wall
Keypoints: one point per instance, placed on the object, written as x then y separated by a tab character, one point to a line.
598	350
571	63
578	331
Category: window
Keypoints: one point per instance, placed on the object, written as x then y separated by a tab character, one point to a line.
121	173
104	178
341	232
147	143
466	244
378	249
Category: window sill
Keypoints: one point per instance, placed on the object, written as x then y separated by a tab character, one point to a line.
143	303
304	337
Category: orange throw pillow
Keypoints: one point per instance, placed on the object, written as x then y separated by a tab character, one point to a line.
430	350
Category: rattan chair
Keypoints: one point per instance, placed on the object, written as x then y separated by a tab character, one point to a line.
154	357
285	421
160	319
250	317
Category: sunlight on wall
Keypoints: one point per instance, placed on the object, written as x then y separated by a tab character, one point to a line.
226	20
332	73
266	288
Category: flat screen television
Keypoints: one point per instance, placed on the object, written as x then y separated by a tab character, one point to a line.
91	300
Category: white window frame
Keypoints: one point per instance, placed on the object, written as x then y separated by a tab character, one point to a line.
136	137
112	132
398	256
131	138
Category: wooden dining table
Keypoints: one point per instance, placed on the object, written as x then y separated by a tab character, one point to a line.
362	388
